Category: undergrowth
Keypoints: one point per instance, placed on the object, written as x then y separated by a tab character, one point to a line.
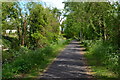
103	58
31	62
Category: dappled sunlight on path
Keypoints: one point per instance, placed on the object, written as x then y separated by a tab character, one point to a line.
69	64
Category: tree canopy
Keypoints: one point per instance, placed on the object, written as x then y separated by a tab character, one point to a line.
92	20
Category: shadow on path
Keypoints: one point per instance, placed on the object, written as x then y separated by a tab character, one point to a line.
69	65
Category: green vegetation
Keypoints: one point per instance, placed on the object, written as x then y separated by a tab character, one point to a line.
103	59
97	26
36	42
32	60
40	36
36	26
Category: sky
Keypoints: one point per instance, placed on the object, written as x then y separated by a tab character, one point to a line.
59	4
54	3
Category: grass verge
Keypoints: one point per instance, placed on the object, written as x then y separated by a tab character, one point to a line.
103	59
33	62
99	71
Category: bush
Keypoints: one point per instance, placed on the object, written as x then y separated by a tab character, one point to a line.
11	54
10	42
105	54
27	59
6	43
25	62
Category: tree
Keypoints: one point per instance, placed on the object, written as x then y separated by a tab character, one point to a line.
44	26
93	19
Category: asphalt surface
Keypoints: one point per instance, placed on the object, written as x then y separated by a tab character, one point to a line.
69	65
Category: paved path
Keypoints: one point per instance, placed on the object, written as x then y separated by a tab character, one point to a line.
69	65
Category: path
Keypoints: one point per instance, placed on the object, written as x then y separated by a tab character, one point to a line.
69	64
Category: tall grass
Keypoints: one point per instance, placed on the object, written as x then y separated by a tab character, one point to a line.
32	59
103	55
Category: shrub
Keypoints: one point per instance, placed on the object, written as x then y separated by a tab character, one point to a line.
6	43
25	62
105	54
27	59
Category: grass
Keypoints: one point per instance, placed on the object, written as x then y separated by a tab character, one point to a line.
103	62
31	63
34	73
100	71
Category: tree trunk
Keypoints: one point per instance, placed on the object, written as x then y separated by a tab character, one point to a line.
102	29
19	36
24	33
